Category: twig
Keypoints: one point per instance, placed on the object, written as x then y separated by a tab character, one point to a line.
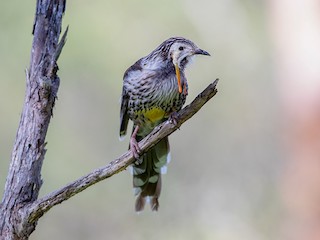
42	205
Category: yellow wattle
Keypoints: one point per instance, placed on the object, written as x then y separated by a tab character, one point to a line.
178	77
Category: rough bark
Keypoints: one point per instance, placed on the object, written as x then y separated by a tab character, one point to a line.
24	177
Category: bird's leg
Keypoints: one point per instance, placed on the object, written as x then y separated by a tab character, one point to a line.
134	146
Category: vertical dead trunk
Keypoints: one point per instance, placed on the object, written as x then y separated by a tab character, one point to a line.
24	177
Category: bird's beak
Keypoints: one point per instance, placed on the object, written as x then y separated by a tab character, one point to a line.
178	77
201	52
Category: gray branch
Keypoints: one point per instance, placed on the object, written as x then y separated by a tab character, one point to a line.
39	207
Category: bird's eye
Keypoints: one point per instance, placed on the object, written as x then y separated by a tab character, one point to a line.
181	48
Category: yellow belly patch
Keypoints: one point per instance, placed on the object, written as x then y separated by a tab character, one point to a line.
154	114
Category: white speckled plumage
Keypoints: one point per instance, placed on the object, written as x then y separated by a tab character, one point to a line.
153	88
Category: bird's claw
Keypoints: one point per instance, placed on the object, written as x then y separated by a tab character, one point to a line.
174	118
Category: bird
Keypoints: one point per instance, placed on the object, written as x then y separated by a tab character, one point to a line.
154	90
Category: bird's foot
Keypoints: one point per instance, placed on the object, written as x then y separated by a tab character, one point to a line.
135	149
174	118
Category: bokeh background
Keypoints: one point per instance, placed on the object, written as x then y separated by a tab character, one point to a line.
226	178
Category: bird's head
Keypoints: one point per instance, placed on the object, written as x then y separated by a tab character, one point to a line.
180	53
176	51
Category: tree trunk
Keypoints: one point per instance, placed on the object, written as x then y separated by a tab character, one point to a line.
24	177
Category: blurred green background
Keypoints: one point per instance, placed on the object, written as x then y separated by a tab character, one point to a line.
221	182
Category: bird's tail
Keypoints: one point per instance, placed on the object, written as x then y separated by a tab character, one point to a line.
147	175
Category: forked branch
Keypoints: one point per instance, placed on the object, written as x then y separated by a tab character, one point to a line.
42	205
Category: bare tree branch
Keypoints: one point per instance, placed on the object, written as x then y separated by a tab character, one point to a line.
39	207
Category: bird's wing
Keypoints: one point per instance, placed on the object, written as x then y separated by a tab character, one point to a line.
124	117
134	74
